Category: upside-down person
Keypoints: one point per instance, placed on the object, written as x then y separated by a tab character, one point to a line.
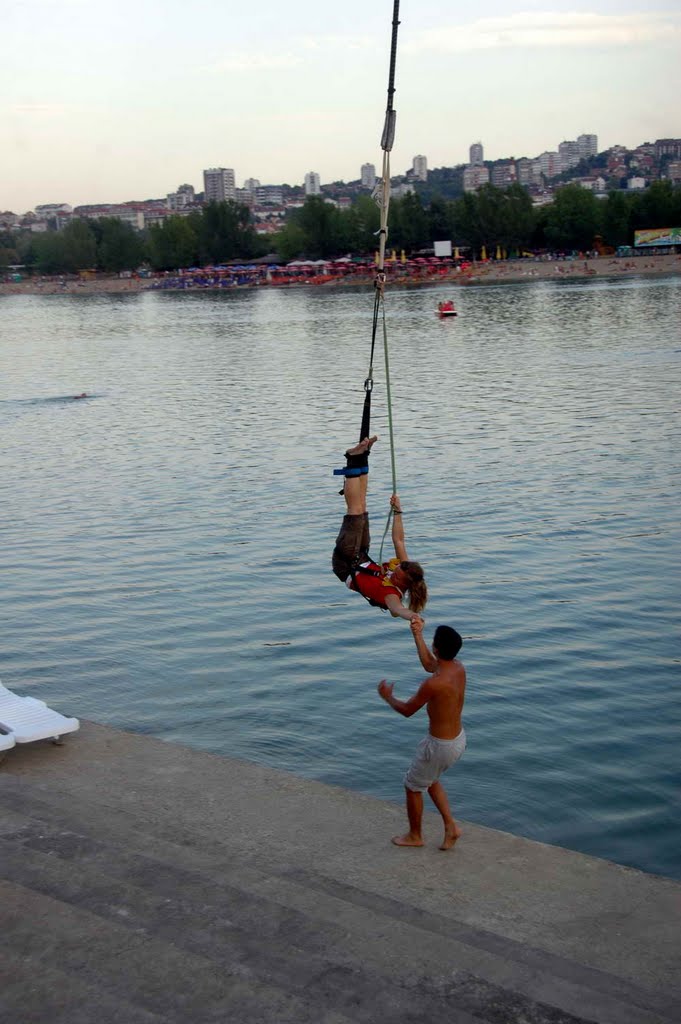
385	586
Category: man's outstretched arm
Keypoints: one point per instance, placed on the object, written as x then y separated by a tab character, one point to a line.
404	707
426	658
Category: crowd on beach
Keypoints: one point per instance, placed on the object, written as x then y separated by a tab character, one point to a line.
347	271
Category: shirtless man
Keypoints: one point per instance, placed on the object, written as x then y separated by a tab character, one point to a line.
443	695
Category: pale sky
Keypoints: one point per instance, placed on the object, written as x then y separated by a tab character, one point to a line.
105	102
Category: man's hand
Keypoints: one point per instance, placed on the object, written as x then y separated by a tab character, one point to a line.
416	625
385	689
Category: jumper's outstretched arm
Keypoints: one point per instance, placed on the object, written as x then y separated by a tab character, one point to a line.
398	529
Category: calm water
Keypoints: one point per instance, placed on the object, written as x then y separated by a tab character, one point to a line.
165	558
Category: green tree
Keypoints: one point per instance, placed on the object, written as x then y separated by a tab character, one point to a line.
119	246
80	247
9	253
290	241
517	219
656	207
573	218
47	253
439	219
64	252
173	244
364	219
468	229
224	232
617	211
409	227
322	226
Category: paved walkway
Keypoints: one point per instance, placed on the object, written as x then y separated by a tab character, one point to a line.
142	882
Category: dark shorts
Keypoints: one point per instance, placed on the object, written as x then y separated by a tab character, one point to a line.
351	543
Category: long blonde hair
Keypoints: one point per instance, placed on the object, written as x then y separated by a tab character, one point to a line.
416	587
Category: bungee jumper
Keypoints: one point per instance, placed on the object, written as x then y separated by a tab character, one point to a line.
384	585
388	584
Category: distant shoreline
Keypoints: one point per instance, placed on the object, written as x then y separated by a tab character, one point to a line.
492	272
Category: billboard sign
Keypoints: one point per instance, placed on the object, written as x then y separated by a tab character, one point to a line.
657	236
442	248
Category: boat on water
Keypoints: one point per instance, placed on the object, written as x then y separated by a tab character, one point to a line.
445	309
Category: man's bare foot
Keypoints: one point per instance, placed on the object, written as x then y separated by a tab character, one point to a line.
407	840
452	833
364	445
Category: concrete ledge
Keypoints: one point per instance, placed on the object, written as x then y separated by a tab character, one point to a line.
143	881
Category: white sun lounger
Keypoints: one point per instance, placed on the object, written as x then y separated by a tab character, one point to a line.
25	719
6	741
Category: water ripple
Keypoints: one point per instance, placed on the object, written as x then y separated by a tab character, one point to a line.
166	545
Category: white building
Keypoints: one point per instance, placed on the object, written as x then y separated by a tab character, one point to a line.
251	184
312	184
243	196
401	190
51	209
419	167
269	195
180	200
504	174
536	174
595	185
523	169
218	184
636	183
588	146
368	175
569	154
475	157
474	177
550	163
673	171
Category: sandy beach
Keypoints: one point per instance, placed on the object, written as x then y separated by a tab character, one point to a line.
491	272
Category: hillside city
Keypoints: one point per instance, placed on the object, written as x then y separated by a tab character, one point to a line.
577	161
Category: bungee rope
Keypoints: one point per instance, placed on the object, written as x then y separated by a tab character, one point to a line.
358	464
383	197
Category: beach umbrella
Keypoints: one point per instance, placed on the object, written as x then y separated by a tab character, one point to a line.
483	253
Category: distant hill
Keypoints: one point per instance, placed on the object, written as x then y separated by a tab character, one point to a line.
446	182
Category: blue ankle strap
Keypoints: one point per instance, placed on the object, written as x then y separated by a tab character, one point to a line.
351	471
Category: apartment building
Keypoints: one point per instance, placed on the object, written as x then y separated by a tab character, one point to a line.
419	168
218	184
312	184
368	175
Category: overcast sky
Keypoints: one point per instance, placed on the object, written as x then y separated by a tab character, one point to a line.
104	102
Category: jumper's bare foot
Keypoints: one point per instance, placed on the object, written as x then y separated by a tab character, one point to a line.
407	840
364	445
452	833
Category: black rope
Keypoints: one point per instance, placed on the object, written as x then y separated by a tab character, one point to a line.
393	54
386	144
388	136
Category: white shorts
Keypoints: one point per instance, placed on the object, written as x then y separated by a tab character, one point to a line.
432	758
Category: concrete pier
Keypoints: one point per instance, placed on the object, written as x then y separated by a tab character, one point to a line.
143	882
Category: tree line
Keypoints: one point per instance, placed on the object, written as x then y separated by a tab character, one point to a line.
221	232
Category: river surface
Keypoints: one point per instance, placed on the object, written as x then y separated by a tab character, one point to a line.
166	541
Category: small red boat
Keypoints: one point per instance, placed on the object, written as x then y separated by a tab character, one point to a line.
445	309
